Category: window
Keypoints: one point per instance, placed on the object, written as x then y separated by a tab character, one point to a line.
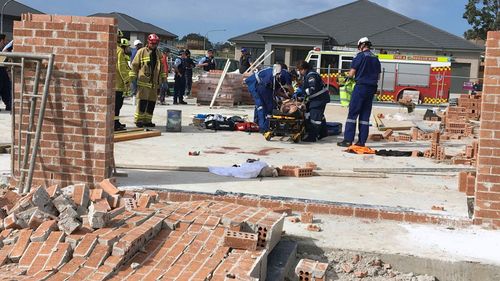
298	55
331	61
413	74
279	55
388	75
346	64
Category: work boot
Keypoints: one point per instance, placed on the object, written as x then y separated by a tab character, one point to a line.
344	143
309	139
139	124
149	125
119	126
182	102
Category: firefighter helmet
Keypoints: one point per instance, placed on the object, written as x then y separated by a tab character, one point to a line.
120	33
124	42
153	39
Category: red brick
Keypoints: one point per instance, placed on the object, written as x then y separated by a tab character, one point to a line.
307	217
342	210
30	254
22	243
313	227
366	213
386	215
98	256
86	245
240	240
58	257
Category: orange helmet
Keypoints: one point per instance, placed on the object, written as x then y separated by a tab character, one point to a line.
153	38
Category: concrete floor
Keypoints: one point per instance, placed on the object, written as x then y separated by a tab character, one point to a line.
228	148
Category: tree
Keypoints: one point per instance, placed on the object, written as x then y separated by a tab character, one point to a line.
482	15
196	41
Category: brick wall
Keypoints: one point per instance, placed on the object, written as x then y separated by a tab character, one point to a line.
487	200
76	143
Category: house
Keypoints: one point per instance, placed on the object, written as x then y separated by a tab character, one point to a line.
341	26
133	28
12	12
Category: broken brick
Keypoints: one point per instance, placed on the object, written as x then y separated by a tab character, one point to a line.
43	231
283	210
22	243
313	227
307	217
108	187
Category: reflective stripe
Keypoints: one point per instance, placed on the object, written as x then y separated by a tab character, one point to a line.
132	74
364	123
257	77
259	108
351	121
316	122
163	75
116	118
143	84
145	59
307	115
318	93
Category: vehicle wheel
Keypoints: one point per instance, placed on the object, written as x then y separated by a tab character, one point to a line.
268	136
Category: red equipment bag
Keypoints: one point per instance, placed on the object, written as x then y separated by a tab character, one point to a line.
247	127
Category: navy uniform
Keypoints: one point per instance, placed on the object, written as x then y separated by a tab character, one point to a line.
367	69
245	60
209	62
262	86
189	63
316	95
180	79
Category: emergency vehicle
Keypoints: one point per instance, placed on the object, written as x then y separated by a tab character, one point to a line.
428	78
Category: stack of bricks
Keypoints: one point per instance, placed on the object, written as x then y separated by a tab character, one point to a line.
466	182
77	136
184	241
437	151
232	92
471	105
469	157
311	270
487	192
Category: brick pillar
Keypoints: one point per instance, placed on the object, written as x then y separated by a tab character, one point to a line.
487	202
76	143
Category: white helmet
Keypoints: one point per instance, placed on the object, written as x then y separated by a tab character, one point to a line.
364	40
137	42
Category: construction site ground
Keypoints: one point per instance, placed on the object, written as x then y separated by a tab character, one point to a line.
418	192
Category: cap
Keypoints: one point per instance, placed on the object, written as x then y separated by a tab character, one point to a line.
137	42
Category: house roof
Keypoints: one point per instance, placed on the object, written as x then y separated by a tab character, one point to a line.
15	8
384	27
128	23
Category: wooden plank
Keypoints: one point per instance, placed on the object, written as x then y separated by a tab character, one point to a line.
136	135
129	130
226	67
395	125
413	170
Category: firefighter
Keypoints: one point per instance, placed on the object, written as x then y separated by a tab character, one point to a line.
180	78
263	86
207	62
315	94
122	84
365	69
148	70
245	60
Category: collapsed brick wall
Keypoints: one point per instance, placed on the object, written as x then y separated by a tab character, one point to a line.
76	143
487	195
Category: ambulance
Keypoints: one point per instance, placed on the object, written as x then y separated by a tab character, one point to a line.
426	79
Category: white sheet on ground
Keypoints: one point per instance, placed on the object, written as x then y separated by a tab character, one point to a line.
245	171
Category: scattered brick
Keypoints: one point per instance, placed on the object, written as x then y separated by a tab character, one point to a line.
307	217
22	243
437	208
313	227
294	220
108	187
308	269
283	210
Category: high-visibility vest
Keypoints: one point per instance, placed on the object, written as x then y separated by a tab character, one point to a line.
345	92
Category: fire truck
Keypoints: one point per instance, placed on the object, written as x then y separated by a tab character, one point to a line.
427	79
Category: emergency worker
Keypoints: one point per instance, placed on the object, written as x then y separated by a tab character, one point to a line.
264	86
189	63
207	62
180	78
122	83
148	70
365	70
315	94
245	60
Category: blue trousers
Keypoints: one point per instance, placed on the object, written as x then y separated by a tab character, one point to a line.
360	106
263	100
179	88
316	123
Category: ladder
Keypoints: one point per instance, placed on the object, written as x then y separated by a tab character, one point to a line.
26	152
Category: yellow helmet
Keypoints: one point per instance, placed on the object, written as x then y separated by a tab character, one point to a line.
120	33
124	42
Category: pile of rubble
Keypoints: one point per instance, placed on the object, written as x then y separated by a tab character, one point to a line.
106	234
345	265
232	92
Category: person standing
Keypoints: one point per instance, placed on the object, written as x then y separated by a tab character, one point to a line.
365	69
315	94
133	84
245	60
164	86
208	62
148	70
189	72
180	78
5	82
122	82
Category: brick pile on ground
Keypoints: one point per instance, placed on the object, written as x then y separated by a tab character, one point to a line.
104	236
232	92
347	265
